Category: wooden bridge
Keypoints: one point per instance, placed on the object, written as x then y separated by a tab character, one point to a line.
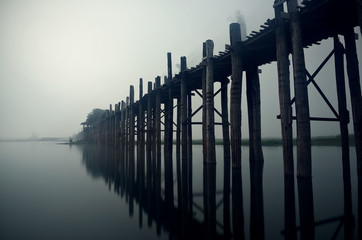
293	28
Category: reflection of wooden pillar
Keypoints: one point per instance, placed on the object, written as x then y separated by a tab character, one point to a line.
289	208
304	165
225	119
306	208
254	115
284	91
355	93
235	94
256	200
210	200
226	195
209	154
237	204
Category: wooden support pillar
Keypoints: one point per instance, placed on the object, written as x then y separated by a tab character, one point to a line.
127	128
254	115
209	155
131	130
235	94
355	93
140	131
203	84
304	164
157	118
168	113
169	197
117	124
149	126
189	126
284	91
123	124
225	119
342	105
183	106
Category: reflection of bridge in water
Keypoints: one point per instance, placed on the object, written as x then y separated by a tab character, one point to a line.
176	215
289	32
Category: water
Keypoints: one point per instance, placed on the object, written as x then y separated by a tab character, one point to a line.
51	191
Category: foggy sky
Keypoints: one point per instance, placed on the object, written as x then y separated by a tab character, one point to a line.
61	59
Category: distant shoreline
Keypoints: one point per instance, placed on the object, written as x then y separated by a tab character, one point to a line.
315	141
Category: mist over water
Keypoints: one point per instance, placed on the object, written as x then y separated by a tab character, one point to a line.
51	191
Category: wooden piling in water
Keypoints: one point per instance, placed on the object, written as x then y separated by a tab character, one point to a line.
168	112
209	155
254	115
122	126
127	128
140	130
149	125
189	126
304	164
355	93
183	106
157	118
117	131
235	94
284	90
342	103
131	128
225	119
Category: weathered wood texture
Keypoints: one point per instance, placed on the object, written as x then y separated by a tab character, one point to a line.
183	106
355	92
284	91
254	113
225	119
304	165
235	94
209	155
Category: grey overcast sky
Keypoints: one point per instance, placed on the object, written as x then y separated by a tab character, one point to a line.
60	59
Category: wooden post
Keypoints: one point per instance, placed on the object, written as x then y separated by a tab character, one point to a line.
184	108
355	93
131	130
235	94
210	156
158	118
127	129
225	119
203	84
284	91
140	131
254	115
168	139
342	106
116	124
168	113
149	125
122	131
189	127
304	164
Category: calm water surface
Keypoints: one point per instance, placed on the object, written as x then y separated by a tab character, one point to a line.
51	191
